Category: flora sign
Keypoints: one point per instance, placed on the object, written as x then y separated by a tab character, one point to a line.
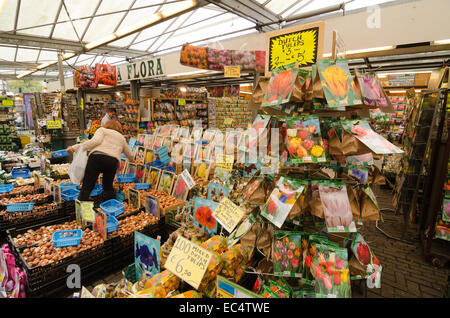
140	70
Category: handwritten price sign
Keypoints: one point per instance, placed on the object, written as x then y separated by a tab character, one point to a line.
228	214
188	261
225	162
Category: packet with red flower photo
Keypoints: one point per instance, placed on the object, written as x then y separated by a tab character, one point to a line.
280	86
367	259
309	250
331	272
304	140
287	254
203	218
282	199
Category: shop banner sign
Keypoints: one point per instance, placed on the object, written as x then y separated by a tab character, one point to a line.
140	70
188	261
303	44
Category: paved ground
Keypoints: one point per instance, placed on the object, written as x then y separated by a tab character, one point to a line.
405	271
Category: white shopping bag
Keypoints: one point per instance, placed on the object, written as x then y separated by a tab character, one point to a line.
76	169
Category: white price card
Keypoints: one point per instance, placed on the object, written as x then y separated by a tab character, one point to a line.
188	261
188	179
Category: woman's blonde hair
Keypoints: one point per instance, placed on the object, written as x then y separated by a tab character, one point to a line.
115	125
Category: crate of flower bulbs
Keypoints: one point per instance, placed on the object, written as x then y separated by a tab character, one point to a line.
37	198
43	262
167	202
127	211
28	189
38	212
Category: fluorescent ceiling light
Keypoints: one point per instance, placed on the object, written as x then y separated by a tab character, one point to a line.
183	89
187	73
106	39
246	85
374	49
167	13
404	72
68	56
180	6
243	92
400	91
139	25
326	55
26	73
44	65
439	42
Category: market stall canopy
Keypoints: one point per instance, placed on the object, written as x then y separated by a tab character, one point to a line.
31	35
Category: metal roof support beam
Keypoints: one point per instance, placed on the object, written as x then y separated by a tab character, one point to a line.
46	43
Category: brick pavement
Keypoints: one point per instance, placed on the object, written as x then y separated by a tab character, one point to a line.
405	271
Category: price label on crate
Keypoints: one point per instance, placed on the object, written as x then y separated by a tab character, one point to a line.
7	102
87	211
188	261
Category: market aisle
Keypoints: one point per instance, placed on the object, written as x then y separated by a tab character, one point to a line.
405	271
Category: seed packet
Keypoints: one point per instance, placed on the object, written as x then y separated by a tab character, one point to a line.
282	199
287	254
362	174
365	255
308	247
446	210
251	187
304	141
216	192
337	83
280	86
203	210
364	133
250	169
331	272
371	90
360	160
304	292
241	230
336	207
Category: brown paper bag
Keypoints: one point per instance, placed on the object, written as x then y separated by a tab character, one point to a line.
298	92
315	205
354	203
317	88
259	195
297	209
369	211
260	236
348	146
258	93
355	267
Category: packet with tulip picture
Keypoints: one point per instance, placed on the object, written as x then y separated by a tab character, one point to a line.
330	271
367	259
336	206
287	254
308	246
304	140
446	210
280	86
282	199
337	83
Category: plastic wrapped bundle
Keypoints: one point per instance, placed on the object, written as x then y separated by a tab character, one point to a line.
159	285
189	294
214	268
217	244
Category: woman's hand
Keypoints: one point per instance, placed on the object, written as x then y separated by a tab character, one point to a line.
70	149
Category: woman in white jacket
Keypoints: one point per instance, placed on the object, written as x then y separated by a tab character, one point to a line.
104	149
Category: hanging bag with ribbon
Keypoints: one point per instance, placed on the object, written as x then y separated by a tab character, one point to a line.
105	73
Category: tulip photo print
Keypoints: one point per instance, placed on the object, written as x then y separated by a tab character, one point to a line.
331	272
287	254
371	90
337	82
280	86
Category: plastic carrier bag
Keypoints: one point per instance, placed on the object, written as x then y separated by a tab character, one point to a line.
76	169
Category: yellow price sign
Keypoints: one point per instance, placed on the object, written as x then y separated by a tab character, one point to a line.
7	102
188	261
87	211
181	101
228	214
53	124
228	121
298	44
232	71
225	162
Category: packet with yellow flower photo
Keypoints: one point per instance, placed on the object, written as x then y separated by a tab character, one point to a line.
304	140
337	83
287	254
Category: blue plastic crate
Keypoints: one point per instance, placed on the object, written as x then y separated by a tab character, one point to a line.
155	164
112	207
125	178
20	207
98	189
5	188
168	168
20	173
67	238
60	153
68	185
111	224
69	194
142	186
